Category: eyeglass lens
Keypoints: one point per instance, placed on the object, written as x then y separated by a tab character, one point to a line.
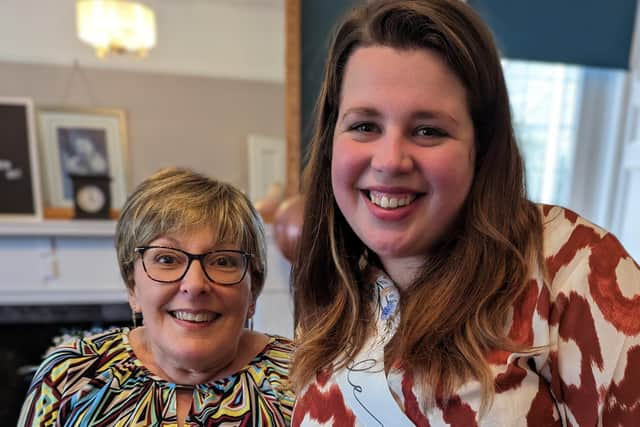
169	265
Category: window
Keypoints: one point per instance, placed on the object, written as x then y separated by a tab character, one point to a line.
567	123
544	102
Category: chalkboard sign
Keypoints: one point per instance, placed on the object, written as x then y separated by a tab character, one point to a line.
19	182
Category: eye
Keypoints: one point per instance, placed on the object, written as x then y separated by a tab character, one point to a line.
430	132
222	261
225	261
364	127
164	257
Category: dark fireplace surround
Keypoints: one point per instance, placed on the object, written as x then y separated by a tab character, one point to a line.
27	331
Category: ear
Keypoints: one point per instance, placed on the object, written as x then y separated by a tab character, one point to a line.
252	310
133	300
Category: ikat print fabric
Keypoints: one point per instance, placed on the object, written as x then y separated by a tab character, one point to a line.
586	322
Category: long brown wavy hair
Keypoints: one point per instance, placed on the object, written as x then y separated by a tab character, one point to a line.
458	308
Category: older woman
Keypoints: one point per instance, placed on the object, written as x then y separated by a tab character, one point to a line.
191	252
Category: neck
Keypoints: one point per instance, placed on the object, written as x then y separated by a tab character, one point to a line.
403	271
184	375
192	372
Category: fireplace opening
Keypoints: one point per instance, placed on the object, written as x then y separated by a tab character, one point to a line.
27	332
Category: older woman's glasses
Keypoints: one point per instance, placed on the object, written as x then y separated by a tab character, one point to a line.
169	265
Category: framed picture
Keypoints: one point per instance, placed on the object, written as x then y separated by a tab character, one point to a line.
19	177
82	142
267	165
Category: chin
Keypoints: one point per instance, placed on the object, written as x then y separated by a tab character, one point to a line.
198	359
391	249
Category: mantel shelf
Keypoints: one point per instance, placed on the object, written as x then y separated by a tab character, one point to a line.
76	227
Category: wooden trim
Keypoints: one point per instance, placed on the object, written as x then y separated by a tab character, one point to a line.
292	89
68	213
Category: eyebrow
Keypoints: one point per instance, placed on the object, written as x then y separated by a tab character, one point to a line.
221	245
420	114
360	110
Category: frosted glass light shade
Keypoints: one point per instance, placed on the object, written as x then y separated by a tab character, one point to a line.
116	26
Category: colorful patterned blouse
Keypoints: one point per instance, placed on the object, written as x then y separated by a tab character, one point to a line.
587	374
99	381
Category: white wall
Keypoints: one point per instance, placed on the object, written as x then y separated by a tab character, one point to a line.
239	39
192	121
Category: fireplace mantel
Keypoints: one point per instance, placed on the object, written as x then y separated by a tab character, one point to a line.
59	262
80	228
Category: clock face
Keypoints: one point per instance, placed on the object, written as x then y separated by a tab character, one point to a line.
90	198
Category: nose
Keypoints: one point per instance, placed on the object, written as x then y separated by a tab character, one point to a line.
195	281
391	154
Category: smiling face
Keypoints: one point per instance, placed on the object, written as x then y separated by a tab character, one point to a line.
403	153
193	323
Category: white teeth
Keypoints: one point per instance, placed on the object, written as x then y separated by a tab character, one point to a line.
194	317
390	202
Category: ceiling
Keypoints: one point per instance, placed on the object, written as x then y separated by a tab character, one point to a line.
239	39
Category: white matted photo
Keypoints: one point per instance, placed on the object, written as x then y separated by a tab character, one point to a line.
267	166
19	178
82	142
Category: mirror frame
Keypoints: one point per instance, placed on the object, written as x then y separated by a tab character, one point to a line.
292	94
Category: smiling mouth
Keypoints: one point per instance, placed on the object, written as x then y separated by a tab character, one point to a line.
201	317
390	201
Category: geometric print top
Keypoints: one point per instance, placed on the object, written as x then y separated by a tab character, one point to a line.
585	367
99	381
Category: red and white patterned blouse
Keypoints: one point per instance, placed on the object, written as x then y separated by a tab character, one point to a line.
587	375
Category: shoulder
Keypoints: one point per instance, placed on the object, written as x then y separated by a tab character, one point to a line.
105	344
96	344
570	239
588	266
562	225
272	365
276	356
66	369
81	351
107	339
279	346
594	316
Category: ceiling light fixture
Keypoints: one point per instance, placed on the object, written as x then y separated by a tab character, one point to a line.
116	26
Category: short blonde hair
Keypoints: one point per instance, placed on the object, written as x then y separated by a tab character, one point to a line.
175	200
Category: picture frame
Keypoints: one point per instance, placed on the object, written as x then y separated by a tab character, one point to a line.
82	141
19	172
266	164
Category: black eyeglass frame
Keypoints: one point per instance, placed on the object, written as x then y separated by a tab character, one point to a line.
200	257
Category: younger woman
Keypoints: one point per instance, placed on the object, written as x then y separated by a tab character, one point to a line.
431	291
